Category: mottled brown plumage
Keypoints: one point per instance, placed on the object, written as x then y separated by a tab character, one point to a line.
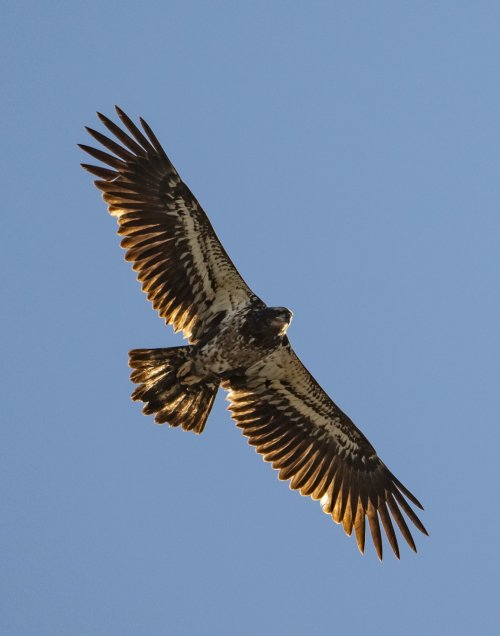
237	342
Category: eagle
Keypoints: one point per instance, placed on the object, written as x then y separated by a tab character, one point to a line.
235	341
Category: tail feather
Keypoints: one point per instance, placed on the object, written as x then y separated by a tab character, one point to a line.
155	372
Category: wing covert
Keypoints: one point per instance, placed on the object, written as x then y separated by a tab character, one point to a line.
181	264
293	424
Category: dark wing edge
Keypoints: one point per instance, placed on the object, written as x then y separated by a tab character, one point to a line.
181	264
296	427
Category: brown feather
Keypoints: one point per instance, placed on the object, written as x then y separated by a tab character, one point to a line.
120	151
314	478
375	529
307	470
402	502
389	530
139	137
102	156
99	171
123	137
402	525
359	527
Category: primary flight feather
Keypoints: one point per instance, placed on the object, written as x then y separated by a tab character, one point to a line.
235	341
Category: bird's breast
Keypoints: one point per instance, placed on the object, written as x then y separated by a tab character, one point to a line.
234	348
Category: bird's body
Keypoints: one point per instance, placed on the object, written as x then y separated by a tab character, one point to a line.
242	338
235	341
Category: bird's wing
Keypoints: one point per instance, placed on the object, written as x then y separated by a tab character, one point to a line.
183	268
294	425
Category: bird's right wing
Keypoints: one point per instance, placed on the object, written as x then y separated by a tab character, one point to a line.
183	268
294	425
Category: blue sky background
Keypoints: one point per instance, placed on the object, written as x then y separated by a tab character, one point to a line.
348	155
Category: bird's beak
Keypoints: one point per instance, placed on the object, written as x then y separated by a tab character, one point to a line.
281	320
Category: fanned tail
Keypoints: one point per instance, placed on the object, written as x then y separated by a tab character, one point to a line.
156	373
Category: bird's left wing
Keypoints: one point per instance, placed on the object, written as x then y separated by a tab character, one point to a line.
293	423
181	264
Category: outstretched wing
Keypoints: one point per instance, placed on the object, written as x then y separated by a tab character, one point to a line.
293	423
183	268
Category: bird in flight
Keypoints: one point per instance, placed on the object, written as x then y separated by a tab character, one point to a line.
235	342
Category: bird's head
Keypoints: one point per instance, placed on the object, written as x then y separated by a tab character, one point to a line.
278	318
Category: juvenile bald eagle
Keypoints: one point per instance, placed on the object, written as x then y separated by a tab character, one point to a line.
235	341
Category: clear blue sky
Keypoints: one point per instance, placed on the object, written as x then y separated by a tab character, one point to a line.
348	155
